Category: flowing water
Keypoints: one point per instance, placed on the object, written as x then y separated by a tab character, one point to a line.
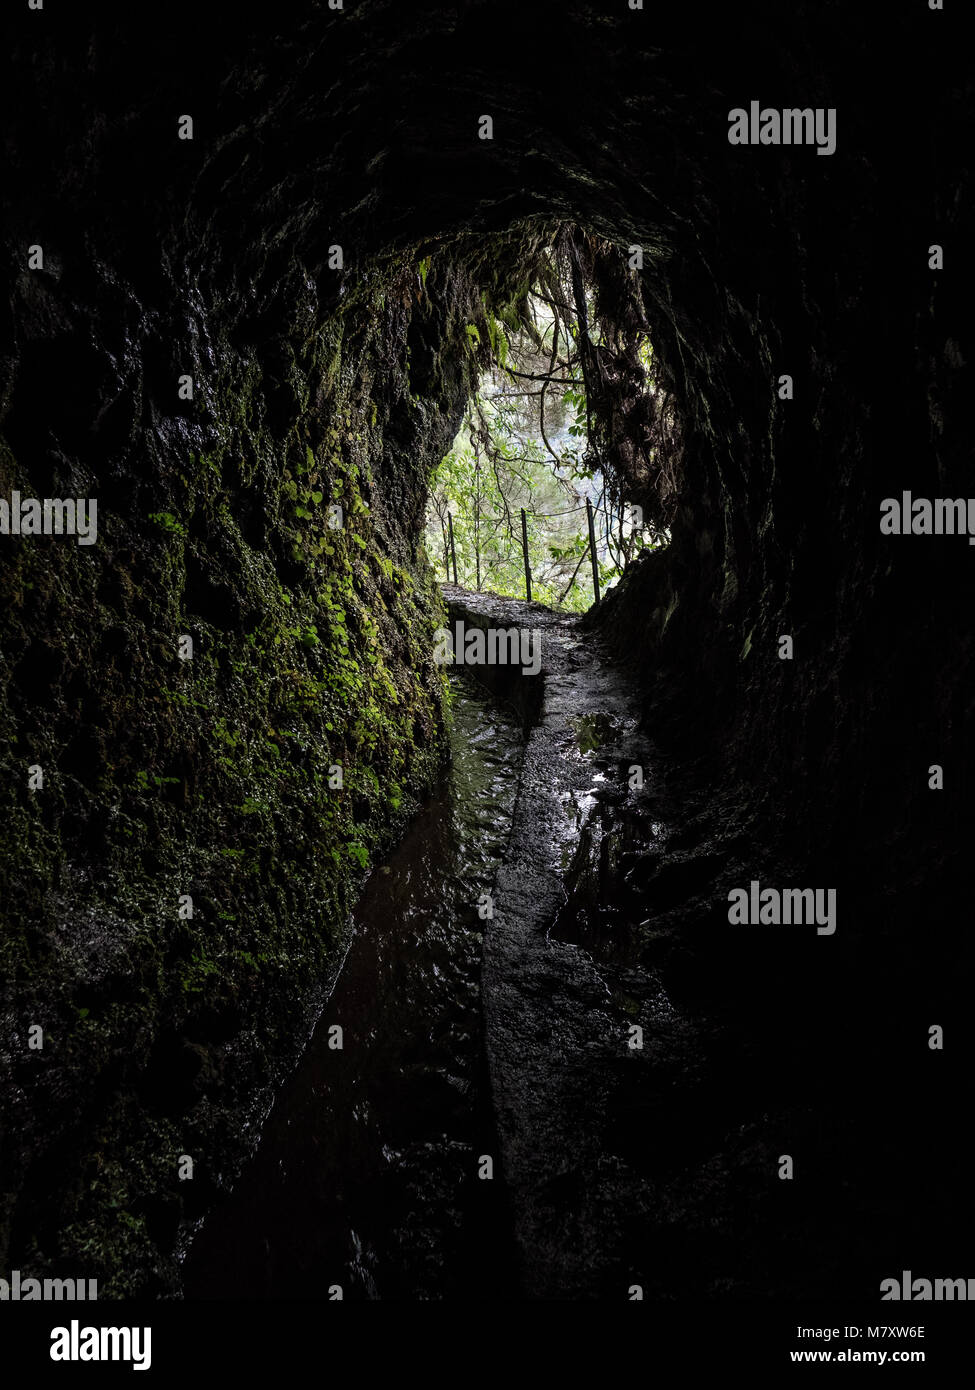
366	1176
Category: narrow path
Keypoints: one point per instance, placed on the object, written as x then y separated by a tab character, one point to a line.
558	1025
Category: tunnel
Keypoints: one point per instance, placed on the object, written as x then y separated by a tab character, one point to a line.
244	258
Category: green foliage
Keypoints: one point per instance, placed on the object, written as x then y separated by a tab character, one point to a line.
577	400
525	443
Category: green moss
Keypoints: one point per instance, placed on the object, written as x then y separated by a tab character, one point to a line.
166	521
210	777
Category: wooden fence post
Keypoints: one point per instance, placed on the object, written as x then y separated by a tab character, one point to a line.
453	552
524	544
592	551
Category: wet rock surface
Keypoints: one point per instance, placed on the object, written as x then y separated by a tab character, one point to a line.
365	1177
555	1036
658	1165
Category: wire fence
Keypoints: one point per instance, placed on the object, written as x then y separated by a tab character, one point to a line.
548	516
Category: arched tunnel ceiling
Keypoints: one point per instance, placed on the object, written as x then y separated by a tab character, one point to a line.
366	121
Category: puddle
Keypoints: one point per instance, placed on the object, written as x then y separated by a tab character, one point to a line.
594	731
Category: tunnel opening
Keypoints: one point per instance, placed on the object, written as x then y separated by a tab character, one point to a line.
567	413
